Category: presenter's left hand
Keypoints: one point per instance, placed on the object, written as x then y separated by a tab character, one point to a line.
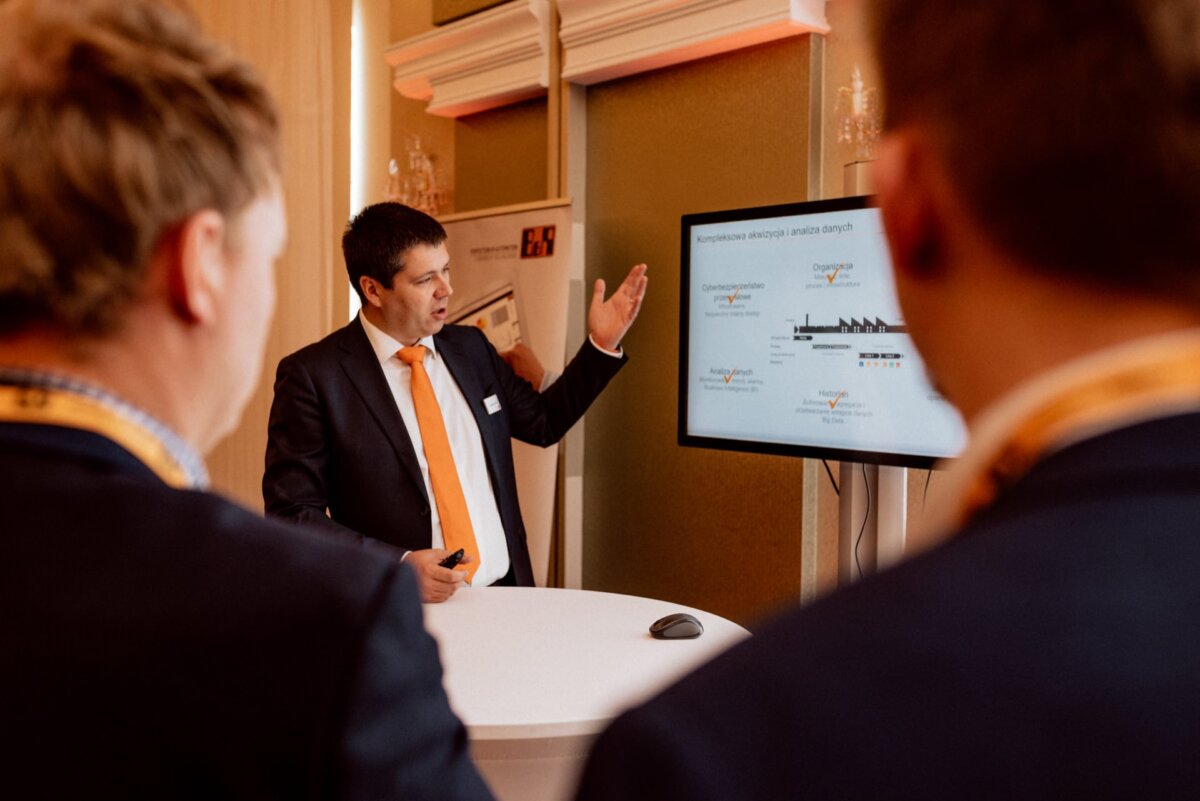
608	320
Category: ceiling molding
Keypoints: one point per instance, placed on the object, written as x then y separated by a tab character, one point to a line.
606	39
490	59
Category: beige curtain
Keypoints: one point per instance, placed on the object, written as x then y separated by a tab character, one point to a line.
302	50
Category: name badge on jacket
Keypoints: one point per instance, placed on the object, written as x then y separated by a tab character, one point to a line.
492	404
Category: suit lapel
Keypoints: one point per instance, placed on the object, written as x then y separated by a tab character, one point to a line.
362	368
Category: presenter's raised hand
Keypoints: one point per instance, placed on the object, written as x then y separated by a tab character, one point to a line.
437	583
608	320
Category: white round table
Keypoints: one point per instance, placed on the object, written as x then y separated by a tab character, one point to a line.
535	674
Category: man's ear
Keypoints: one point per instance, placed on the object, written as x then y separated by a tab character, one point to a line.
906	192
370	290
196	266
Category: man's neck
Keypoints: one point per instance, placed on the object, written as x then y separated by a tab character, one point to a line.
372	316
1045	324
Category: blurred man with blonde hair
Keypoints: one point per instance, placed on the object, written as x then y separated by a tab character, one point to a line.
158	641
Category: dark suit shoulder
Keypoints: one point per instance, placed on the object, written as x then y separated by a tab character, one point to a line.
312	558
125	529
464	336
131	524
331	347
194	616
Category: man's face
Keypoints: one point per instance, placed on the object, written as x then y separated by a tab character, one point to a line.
416	304
255	241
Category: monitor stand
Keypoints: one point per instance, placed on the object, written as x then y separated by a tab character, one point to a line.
873	502
872	519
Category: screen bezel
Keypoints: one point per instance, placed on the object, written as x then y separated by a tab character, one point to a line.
689	221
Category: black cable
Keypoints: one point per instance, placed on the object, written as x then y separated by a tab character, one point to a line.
866	517
925	494
831	481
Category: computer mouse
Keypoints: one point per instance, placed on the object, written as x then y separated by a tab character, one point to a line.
679	626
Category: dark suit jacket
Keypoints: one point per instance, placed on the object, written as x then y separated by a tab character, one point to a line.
336	440
166	644
1048	651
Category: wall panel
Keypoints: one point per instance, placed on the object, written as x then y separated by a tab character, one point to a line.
292	44
500	156
711	529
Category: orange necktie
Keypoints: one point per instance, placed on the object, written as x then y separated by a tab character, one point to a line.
443	475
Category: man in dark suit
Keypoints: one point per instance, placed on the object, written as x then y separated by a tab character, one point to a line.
346	450
1040	186
158	641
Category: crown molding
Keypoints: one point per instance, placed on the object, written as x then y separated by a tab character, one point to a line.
490	59
606	39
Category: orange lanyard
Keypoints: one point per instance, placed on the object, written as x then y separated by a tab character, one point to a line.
61	407
1160	385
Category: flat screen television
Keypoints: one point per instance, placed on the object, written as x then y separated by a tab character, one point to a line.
792	342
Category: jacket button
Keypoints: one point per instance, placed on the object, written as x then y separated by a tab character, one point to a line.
425	512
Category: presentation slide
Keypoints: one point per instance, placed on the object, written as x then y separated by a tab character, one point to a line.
795	338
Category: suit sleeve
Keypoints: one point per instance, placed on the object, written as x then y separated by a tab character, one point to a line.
544	418
639	756
296	480
401	738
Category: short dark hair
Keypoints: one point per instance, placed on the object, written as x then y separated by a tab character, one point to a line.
376	241
1070	127
119	120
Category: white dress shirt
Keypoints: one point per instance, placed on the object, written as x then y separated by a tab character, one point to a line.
465	443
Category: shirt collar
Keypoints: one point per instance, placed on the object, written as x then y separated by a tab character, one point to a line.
176	447
385	345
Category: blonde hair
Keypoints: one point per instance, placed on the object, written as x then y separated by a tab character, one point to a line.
118	120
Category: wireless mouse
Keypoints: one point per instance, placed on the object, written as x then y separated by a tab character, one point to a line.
679	626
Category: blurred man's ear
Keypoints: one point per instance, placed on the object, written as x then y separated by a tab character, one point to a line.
196	264
906	187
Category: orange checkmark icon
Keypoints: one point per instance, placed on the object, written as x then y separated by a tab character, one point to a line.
733	297
834	274
729	377
833	403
